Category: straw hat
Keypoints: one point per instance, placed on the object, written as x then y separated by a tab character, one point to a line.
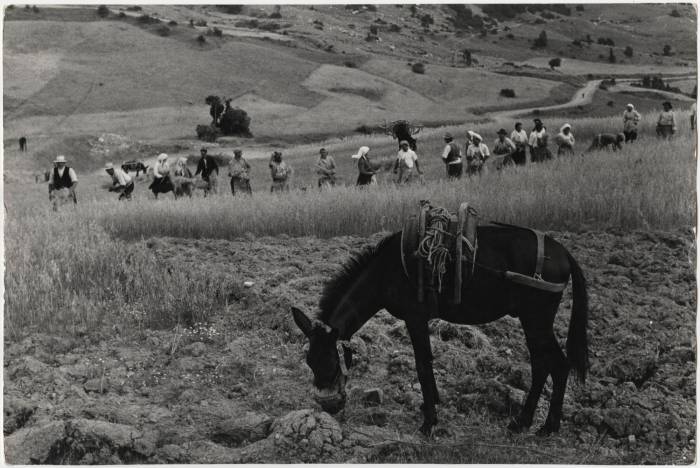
162	157
109	166
403	142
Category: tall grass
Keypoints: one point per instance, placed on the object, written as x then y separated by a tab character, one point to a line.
631	190
65	275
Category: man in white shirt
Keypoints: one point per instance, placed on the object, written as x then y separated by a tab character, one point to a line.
121	182
452	157
519	138
477	154
406	159
62	177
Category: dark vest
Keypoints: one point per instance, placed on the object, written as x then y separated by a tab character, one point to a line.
64	181
454	152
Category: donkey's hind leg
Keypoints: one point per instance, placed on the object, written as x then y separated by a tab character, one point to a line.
420	339
559	368
540	370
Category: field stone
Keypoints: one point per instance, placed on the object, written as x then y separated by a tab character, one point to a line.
319	428
195	349
249	427
33	444
119	437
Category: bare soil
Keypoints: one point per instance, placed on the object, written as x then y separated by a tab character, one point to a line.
237	390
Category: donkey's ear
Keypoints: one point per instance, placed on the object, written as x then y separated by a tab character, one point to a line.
302	321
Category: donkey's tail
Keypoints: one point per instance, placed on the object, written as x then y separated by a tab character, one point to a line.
577	339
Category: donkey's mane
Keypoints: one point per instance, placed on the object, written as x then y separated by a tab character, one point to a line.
339	284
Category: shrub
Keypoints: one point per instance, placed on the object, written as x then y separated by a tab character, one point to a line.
276	15
200	23
207	132
555	62
373	30
467	55
350	64
235	122
579	8
628	51
463	18
35	9
133	8
577	43
215	32
121	15
146	19
667	50
675	13
201	39
394	28
163	31
610	103
606	41
251	24
172	23
510	36
418	68
426	20
611	56
507	92
269	26
230	9
364	129
102	11
541	40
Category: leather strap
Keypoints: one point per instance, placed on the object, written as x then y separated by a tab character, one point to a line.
540	254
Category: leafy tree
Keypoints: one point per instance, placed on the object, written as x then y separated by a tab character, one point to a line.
667	50
675	13
541	40
628	51
466	53
102	11
555	62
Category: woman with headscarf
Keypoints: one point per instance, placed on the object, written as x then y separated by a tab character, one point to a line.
565	140
181	169
161	176
630	122
666	125
538	143
325	169
280	172
367	172
477	154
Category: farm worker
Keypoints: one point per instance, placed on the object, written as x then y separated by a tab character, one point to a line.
630	122
406	160
693	116
519	138
23	143
207	166
538	143
121	181
666	125
452	157
477	154
238	170
504	148
161	174
325	168
181	169
62	177
280	172
367	173
565	140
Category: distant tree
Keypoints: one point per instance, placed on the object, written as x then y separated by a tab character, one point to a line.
235	121
541	40
418	68
675	13
507	92
102	11
667	50
646	81
577	43
466	53
628	51
555	62
579	7
277	12
611	56
426	20
414	11
589	39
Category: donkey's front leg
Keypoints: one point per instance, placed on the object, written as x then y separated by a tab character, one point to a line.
420	338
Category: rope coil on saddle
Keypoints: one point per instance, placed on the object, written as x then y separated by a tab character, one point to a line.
433	247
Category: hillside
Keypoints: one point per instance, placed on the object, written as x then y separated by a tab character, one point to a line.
306	73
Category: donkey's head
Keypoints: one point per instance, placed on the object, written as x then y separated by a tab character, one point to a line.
328	360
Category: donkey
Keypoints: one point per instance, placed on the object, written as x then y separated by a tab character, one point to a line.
374	279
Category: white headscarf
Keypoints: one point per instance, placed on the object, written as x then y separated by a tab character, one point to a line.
361	152
475	135
162	157
565	126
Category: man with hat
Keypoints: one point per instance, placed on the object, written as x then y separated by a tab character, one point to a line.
666	125
504	149
452	157
406	160
207	165
121	182
538	143
477	154
63	177
238	170
630	121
